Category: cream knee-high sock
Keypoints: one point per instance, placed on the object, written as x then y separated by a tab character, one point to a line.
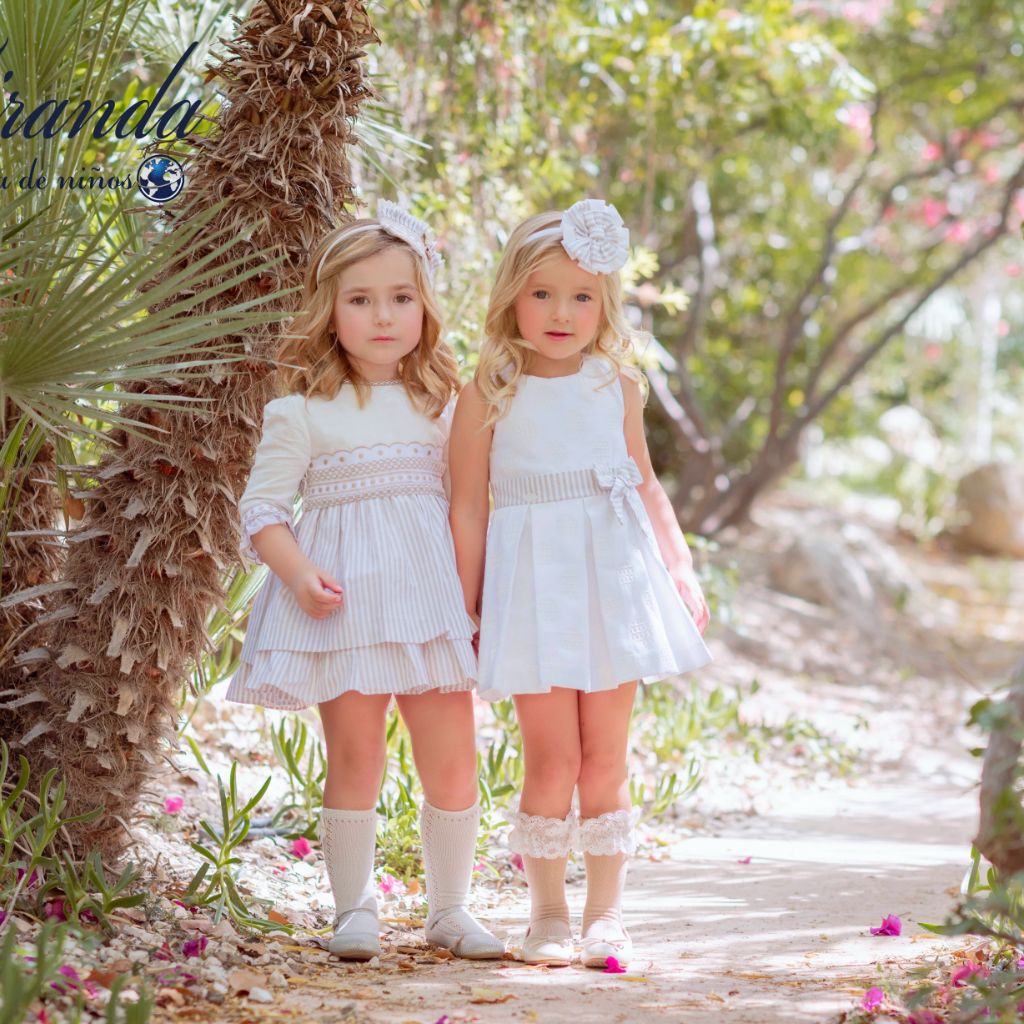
549	911
602	912
348	840
449	844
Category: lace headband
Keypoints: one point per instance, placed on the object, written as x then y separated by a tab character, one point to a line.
593	234
401	224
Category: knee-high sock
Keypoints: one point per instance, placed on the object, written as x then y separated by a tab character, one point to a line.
348	840
607	842
544	845
449	846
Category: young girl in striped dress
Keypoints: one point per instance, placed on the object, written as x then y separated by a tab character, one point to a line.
583	578
363	601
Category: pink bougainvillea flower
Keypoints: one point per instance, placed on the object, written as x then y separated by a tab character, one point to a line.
390	884
174	804
443	1019
194	947
300	847
872	999
891	925
480	865
612	966
279	869
958	232
3	916
55	910
931	151
934	211
964	971
743	860
33	879
517	862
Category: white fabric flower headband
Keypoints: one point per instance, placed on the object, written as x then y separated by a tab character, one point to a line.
402	224
593	234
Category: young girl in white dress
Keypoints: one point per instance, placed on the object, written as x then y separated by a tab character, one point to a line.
583	580
363	600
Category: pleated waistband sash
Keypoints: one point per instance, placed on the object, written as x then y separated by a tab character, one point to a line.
619	482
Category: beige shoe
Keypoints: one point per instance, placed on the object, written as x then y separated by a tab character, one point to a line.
553	950
598	948
460	932
356	936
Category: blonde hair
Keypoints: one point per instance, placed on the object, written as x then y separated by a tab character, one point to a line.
311	358
503	352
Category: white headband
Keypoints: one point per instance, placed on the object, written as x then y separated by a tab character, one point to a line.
593	234
402	224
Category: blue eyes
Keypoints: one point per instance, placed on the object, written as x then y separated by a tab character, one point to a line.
542	294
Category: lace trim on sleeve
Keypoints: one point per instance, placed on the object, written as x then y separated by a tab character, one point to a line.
254	519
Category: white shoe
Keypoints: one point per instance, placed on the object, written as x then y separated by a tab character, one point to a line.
457	930
597	949
554	950
356	935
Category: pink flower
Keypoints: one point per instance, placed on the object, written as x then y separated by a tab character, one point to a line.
964	971
390	884
480	865
934	211
194	947
612	966
891	925
443	1019
743	860
931	151
33	879
55	909
872	999
3	916
517	862
958	232
174	804
300	847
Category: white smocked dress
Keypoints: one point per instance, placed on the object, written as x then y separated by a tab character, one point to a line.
374	516
576	594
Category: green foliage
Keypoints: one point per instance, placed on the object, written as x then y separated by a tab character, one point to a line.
292	741
215	885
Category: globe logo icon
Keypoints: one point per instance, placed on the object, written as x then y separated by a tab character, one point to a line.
161	178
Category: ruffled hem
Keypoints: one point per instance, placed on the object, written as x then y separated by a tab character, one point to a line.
292	680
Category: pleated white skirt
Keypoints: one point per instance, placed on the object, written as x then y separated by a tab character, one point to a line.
576	594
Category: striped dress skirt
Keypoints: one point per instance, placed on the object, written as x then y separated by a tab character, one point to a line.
379	527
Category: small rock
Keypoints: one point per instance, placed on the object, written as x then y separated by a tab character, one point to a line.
138	956
260	995
278	980
990	503
373	962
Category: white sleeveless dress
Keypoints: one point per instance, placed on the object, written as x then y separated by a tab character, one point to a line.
375	516
576	594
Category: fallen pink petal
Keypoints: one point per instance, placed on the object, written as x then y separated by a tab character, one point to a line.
612	966
442	1020
301	847
891	925
55	910
872	999
194	947
965	971
390	884
743	860
174	804
517	862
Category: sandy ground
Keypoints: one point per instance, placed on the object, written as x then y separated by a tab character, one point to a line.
784	936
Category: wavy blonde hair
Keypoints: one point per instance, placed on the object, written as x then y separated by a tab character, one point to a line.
504	352
312	360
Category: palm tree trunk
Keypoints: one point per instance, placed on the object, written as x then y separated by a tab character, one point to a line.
160	533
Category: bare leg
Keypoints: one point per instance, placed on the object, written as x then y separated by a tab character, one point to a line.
606	820
354	732
443	731
543	826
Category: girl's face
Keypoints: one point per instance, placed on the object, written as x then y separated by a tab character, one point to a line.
378	312
558	312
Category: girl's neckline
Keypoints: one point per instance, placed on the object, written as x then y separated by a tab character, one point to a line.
561	376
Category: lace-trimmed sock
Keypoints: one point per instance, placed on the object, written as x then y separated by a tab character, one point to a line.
544	845
607	842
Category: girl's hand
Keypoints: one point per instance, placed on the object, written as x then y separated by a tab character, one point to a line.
685	579
317	592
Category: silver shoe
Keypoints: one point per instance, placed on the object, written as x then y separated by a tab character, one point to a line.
356	935
460	932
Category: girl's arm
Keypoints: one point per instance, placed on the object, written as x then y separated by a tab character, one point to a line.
469	455
671	542
265	508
